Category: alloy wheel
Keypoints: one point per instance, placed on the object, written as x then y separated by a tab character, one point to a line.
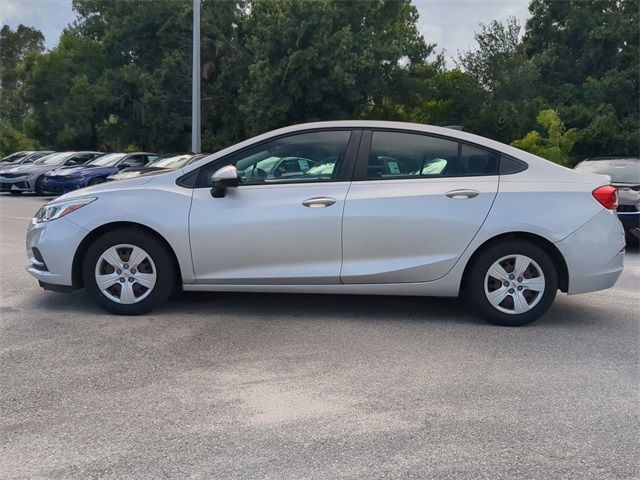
514	284
125	274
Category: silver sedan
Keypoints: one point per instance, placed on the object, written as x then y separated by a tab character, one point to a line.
358	207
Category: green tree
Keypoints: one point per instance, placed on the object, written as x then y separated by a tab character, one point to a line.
558	143
67	101
508	79
121	75
14	46
588	56
12	140
320	59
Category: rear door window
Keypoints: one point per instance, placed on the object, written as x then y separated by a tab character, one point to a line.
476	161
409	155
398	154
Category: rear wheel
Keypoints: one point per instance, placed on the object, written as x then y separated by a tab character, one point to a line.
128	272
512	283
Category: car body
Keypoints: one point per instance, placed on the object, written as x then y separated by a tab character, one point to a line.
625	176
159	165
28	177
506	226
65	180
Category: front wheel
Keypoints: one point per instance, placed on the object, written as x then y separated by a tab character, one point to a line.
96	181
128	272
38	186
512	283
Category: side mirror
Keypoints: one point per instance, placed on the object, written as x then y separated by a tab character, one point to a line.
225	177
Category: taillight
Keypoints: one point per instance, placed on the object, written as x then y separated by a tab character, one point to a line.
607	196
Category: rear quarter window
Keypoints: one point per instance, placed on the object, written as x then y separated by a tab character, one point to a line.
510	165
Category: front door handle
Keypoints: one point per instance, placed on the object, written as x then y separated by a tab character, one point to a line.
462	194
319	202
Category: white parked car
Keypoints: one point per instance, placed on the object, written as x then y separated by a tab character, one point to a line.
358	207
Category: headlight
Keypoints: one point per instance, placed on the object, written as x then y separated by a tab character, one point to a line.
54	210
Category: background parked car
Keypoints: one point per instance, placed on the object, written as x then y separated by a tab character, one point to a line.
96	171
29	177
161	164
14	157
625	176
30	158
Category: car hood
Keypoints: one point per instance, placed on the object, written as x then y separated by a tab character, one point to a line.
13	168
105	188
30	169
81	171
137	171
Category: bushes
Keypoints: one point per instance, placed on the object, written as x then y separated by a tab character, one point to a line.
12	140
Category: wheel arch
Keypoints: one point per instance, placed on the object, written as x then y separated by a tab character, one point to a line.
76	269
556	256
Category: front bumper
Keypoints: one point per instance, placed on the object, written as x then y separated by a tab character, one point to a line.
631	223
594	254
51	186
21	184
56	243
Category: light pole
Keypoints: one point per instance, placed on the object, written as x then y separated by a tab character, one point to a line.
195	96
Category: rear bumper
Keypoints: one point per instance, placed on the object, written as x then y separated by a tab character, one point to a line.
594	254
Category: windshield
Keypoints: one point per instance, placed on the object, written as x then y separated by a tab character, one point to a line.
14	157
620	171
176	161
35	156
54	158
107	160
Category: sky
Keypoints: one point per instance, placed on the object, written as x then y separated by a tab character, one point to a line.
448	23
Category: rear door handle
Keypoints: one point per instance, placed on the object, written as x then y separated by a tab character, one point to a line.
462	194
319	202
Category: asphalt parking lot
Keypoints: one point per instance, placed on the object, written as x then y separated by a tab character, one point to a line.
306	386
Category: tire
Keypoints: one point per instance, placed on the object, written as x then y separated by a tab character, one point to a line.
38	186
96	181
508	294
135	299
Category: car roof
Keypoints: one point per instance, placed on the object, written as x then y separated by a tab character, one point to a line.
43	152
378	124
125	153
381	124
